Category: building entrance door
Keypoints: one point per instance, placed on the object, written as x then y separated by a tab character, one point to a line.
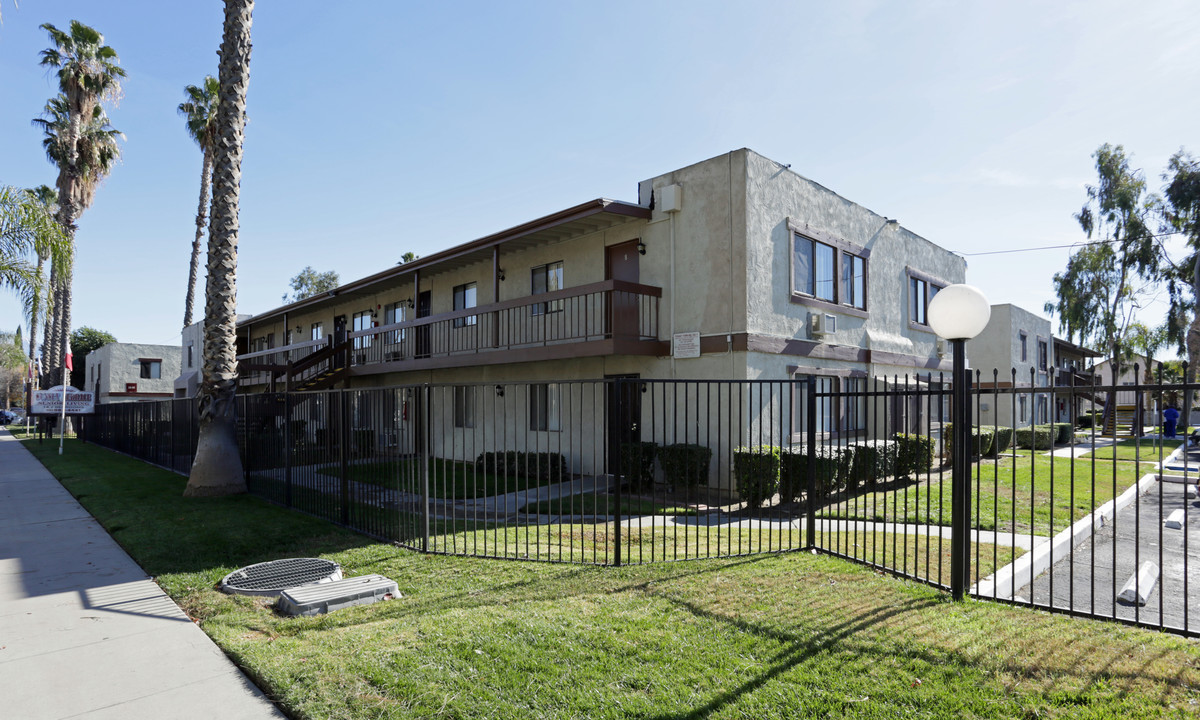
424	307
622	262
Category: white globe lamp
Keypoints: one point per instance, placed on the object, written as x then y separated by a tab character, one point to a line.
959	312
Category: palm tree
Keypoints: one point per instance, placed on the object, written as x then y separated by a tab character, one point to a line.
201	112
95	152
27	228
40	302
217	468
88	74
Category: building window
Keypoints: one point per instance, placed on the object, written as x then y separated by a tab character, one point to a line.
1021	402
854	281
543	407
1024	347
316	331
545	279
394	313
270	341
189	353
921	291
362	321
464	298
1043	355
1042	410
812	268
841	404
151	369
464	407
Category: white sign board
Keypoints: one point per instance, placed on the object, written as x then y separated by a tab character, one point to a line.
686	345
50	402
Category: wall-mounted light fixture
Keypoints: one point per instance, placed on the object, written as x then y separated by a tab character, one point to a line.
409	303
500	274
641	247
499	391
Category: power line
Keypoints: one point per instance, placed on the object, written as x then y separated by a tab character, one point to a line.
1059	247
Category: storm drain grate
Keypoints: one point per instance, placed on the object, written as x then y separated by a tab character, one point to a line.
272	578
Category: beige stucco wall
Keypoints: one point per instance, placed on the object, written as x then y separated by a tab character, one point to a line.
998	348
116	364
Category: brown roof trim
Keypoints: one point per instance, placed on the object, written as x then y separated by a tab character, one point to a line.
1086	352
591	207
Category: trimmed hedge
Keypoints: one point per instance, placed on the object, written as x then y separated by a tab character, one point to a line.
637	460
756	470
870	461
981	439
1039	437
914	454
545	467
684	464
1001	441
1065	432
832	465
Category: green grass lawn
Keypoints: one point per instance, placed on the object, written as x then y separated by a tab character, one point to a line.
772	636
604	504
447	478
1013	493
1143	450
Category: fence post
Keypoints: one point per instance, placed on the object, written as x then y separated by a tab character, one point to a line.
960	474
425	416
615	431
343	454
287	448
810	463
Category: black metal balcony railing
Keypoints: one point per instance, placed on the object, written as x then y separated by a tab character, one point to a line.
614	316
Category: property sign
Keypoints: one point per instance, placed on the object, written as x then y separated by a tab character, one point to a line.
130	387
686	345
50	402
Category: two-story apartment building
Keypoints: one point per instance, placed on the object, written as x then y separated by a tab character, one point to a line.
732	268
131	372
1015	350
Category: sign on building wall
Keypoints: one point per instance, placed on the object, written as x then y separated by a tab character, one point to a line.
50	402
130	387
686	345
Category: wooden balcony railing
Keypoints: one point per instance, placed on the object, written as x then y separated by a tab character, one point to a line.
604	318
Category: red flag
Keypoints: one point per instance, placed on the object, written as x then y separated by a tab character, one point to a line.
69	363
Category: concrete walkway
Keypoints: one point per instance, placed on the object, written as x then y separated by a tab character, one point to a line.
84	633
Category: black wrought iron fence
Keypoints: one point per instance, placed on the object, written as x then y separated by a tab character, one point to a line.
631	470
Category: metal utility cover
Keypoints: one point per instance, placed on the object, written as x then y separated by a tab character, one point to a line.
272	578
327	597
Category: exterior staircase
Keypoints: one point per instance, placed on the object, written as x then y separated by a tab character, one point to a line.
1126	421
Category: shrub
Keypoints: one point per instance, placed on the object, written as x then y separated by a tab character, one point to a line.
1085	421
831	467
981	439
1001	441
1040	437
544	467
869	461
914	454
637	460
1065	433
685	465
364	441
756	470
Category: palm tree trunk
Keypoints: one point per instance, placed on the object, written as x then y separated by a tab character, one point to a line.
201	218
50	339
217	468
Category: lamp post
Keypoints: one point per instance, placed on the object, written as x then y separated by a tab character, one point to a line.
959	313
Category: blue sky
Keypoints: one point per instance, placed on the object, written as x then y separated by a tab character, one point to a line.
378	128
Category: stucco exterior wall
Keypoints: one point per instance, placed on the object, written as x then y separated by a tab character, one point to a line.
116	364
996	354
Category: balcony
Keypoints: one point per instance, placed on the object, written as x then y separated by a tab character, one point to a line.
605	318
1070	377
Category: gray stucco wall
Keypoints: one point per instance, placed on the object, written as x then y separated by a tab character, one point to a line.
116	364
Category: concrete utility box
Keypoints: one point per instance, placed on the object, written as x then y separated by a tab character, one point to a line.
327	597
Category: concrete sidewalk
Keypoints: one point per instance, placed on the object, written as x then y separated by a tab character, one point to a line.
84	633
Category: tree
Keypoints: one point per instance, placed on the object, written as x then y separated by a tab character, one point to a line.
12	368
83	341
408	257
200	111
1181	213
27	228
309	282
88	75
40	302
1107	280
217	467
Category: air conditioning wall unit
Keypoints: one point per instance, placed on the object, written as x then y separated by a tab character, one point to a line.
822	325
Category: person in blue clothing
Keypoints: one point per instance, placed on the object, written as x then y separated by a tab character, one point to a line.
1170	418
